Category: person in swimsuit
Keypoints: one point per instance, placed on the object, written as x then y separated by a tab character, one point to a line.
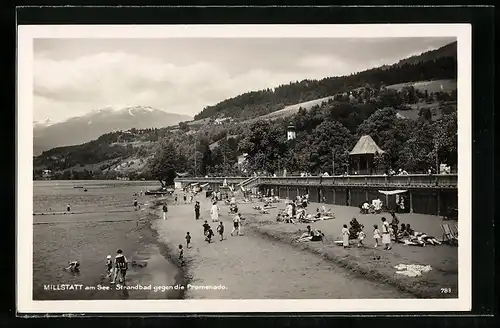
121	266
109	266
74	266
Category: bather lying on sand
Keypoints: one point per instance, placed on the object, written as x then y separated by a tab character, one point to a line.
418	239
310	235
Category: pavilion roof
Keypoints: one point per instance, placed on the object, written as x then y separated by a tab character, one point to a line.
366	145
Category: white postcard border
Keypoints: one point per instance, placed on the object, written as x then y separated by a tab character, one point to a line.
24	204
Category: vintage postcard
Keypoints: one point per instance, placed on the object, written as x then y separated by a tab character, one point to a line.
244	168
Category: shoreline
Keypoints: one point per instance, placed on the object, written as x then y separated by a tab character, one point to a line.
182	277
356	261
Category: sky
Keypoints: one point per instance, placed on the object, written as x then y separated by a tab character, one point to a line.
75	76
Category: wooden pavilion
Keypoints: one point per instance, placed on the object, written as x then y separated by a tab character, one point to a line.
363	155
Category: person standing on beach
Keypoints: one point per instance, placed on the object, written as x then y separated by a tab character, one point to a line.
376	235
188	239
191	199
394	225
220	230
214	212
386	234
197	210
165	210
236	224
345	236
175	200
184	198
136	204
68	208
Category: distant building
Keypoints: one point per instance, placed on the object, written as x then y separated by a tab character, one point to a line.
242	159
47	174
290	134
221	120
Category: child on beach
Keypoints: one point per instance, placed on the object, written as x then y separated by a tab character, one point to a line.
206	226
376	235
135	204
188	239
165	210
175	199
361	236
181	255
236	224
345	236
68	208
184	199
220	230
210	234
191	199
109	266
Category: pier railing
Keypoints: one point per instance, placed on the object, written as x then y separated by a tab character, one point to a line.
448	181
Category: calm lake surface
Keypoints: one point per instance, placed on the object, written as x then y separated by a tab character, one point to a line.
96	227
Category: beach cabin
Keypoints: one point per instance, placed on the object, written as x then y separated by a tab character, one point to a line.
178	184
363	155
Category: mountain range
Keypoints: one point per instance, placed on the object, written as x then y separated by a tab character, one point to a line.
81	129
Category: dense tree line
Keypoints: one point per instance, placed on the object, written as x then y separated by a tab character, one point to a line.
261	102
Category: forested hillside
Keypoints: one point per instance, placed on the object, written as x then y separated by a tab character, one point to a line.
433	65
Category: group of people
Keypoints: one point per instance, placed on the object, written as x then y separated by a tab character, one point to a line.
184	198
374	208
114	269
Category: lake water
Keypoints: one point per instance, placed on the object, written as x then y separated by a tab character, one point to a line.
101	221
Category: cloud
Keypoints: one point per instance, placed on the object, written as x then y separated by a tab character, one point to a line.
74	77
64	88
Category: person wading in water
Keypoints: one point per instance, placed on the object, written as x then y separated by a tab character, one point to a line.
121	266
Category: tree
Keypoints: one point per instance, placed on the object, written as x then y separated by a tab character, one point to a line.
265	144
164	165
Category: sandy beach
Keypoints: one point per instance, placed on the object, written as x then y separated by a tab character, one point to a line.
253	266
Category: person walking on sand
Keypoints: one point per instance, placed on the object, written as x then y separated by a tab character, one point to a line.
236	224
376	235
181	255
191	199
214	212
188	239
220	230
197	210
206	226
175	200
184	198
386	234
345	236
165	210
135	204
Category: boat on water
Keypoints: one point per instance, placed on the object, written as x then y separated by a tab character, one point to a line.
161	191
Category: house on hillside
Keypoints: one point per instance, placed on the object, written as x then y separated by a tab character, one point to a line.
221	120
46	174
363	155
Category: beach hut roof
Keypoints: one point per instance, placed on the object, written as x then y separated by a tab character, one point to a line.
366	145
